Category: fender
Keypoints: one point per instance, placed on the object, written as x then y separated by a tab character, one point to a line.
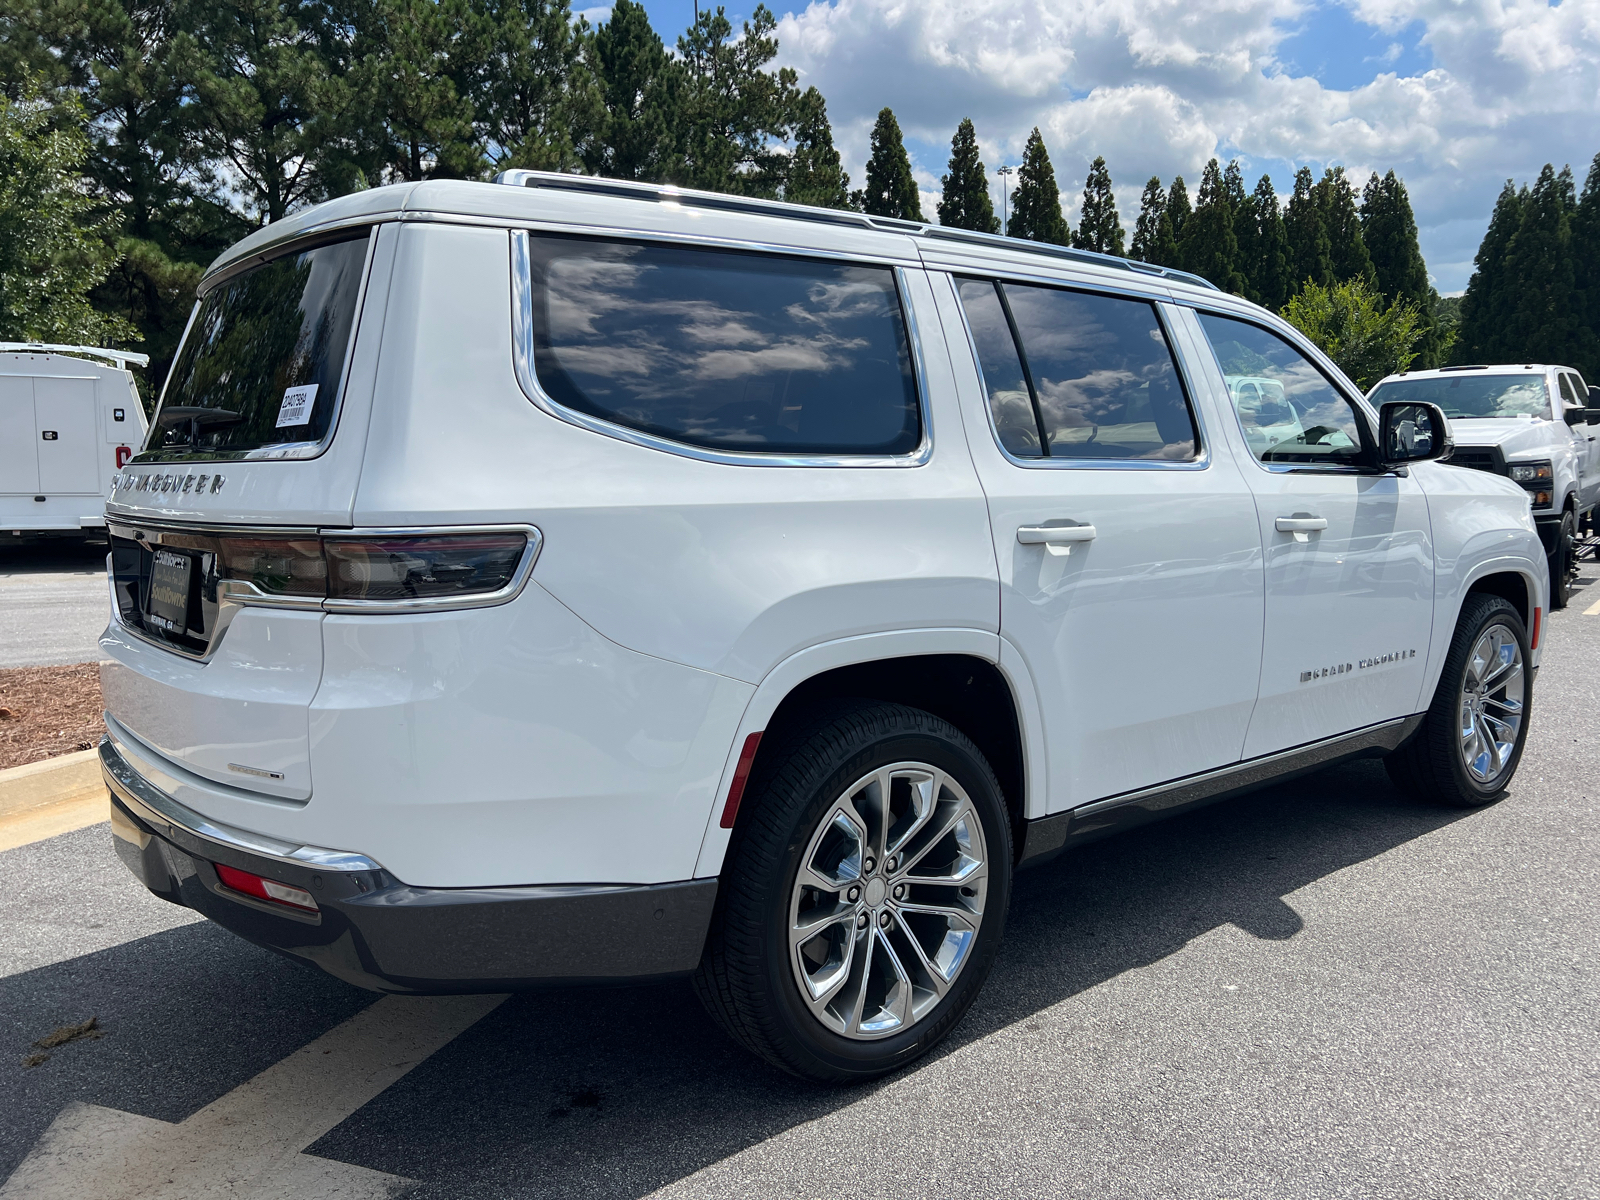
1447	611
872	647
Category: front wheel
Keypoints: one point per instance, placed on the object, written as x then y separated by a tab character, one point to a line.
1562	559
1471	740
864	895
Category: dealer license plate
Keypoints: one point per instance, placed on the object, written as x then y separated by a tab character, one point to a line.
169	588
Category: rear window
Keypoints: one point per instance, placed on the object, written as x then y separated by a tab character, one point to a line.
726	350
260	371
1468	396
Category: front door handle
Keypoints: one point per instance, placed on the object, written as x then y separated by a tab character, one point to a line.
1301	526
1056	539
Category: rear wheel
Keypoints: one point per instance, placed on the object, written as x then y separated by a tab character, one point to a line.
1471	740
1562	559
864	896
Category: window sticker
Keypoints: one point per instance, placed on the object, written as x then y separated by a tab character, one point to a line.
296	406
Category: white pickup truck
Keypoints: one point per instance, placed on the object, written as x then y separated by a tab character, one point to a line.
1532	424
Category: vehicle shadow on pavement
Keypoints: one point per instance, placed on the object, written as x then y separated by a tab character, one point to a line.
618	1092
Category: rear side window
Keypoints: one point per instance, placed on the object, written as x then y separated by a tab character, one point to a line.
725	350
261	367
1077	375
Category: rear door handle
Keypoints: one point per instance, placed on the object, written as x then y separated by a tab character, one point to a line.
1301	527
1056	539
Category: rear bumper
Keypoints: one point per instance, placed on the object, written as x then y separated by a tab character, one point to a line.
376	932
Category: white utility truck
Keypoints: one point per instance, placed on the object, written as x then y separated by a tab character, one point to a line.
67	425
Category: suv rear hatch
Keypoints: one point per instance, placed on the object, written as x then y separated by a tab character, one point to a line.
256	446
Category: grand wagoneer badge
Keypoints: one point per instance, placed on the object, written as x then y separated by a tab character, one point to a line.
1360	664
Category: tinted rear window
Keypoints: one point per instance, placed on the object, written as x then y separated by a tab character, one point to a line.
726	350
261	367
1469	396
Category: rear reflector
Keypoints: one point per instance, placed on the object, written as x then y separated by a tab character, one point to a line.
1533	642
741	776
269	890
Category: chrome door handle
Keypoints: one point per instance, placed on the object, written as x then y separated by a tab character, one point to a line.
1301	527
1056	539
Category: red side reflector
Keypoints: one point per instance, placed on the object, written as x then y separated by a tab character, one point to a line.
741	776
1533	642
269	890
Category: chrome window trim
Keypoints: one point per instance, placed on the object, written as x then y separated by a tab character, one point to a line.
236	594
527	377
154	807
284	452
1200	462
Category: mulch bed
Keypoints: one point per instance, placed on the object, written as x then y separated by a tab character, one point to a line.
46	711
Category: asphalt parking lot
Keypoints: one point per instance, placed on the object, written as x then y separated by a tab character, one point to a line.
1318	990
53	604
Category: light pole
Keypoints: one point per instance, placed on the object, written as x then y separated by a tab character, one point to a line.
1005	215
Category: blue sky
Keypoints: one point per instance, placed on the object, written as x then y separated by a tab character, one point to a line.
1454	95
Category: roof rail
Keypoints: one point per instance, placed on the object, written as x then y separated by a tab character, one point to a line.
666	193
121	357
1470	367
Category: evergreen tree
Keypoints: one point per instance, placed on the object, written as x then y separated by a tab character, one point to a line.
639	88
535	102
1036	204
1264	247
891	189
1233	187
815	175
1486	307
1173	222
1099	227
1586	277
1347	251
1310	256
1390	232
1208	246
1539	276
966	203
1147	230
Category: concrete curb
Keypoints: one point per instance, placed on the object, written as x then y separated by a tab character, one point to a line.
40	800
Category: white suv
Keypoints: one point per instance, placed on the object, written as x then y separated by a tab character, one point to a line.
1531	424
585	581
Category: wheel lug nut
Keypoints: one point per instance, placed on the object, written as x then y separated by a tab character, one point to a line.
892	865
886	920
869	865
899	891
863	921
855	894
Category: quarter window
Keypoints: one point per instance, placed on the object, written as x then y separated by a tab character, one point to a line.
726	350
1077	375
1287	408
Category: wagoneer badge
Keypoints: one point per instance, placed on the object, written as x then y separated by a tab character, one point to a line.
130	481
1362	664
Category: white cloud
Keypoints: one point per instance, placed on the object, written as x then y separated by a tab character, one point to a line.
1159	86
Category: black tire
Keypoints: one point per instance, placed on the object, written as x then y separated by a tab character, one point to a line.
746	978
1430	766
1561	559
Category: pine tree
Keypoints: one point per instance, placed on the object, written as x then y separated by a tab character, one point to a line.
1233	187
1586	276
1036	204
1264	247
1347	252
1389	230
534	101
1209	247
891	189
1147	231
1099	228
639	86
815	174
1486	307
966	203
1539	274
1176	217
1310	256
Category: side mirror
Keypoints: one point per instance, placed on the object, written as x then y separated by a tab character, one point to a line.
1593	415
1576	415
1410	431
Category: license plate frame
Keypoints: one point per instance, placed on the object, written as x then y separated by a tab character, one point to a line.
171	587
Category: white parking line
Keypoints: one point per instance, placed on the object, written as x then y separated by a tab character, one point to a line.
249	1142
1593	610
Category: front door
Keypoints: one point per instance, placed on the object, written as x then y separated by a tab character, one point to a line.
1129	560
1349	552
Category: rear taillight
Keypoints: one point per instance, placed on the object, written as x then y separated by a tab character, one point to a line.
421	567
260	888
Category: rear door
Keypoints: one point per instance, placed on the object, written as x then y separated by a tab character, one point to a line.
1349	554
69	445
19	437
1130	563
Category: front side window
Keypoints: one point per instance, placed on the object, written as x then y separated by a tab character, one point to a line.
1287	408
727	350
261	367
1473	396
1077	375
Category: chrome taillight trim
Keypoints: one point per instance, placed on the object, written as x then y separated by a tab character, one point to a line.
509	592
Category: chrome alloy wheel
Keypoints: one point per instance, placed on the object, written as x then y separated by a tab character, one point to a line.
887	900
1492	696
